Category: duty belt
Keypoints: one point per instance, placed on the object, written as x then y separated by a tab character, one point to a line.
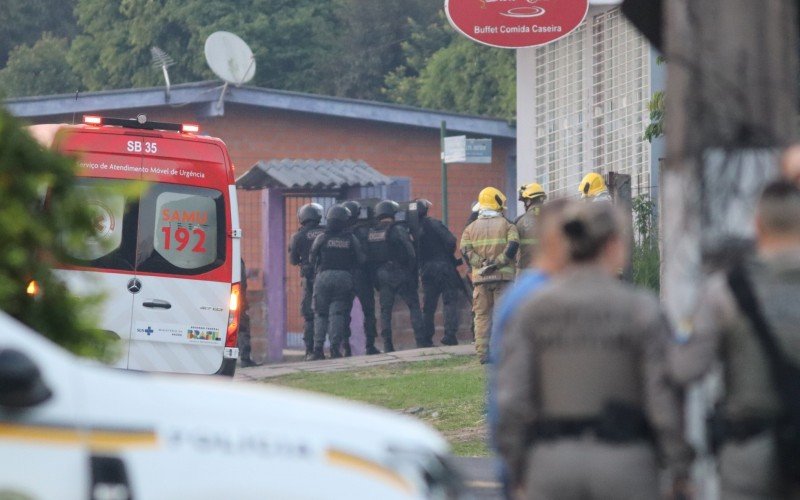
613	432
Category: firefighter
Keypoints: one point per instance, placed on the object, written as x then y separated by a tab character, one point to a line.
593	188
309	216
334	254
438	274
490	245
533	197
392	257
363	284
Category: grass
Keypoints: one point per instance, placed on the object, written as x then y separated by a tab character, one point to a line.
446	393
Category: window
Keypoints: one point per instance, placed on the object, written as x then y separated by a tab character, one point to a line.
114	218
182	230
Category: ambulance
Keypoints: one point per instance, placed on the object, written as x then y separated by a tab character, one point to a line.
75	429
167	256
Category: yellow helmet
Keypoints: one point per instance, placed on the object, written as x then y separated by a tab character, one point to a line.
592	185
531	192
492	199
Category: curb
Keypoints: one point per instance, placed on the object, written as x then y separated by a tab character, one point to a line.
256	373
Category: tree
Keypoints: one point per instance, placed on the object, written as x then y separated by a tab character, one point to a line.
460	76
40	69
33	234
24	22
646	258
287	37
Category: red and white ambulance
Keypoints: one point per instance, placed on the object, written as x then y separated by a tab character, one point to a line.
167	258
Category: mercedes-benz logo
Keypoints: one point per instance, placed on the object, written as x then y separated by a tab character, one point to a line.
134	285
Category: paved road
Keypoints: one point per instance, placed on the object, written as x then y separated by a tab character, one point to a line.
478	475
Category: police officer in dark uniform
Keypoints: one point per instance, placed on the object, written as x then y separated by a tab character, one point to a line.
438	274
309	216
364	287
334	254
392	256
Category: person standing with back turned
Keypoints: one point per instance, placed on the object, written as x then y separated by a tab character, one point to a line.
438	274
584	399
309	216
335	254
490	245
392	256
745	424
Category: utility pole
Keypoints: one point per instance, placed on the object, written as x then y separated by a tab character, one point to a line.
731	103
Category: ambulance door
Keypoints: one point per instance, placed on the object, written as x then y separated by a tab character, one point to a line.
105	266
180	316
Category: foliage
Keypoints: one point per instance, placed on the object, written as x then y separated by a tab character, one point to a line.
646	257
32	233
656	106
24	22
443	70
39	70
656	127
448	394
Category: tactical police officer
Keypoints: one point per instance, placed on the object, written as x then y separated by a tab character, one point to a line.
309	217
726	331
334	254
438	274
533	197
583	391
490	245
363	284
392	257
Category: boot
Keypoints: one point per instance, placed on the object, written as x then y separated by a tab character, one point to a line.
449	340
347	350
388	346
371	349
424	343
335	352
317	354
309	353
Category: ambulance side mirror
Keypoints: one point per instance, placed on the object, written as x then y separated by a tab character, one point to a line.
21	383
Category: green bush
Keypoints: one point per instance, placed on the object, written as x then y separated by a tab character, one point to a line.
32	232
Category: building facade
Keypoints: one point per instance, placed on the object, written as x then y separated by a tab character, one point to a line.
582	106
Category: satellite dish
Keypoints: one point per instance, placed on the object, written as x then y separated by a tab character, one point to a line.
230	58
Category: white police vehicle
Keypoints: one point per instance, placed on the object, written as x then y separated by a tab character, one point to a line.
74	429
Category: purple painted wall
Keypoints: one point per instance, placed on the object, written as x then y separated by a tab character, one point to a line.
273	207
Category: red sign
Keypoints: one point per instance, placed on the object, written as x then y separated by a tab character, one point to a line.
515	24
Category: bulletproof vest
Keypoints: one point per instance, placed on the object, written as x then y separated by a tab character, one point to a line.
306	240
337	252
379	249
431	246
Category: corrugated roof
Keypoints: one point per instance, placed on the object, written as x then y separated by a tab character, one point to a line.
310	174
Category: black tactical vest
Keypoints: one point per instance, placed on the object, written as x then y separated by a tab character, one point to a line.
431	246
306	240
378	248
337	253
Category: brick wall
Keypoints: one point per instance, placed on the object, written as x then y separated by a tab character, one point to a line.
254	134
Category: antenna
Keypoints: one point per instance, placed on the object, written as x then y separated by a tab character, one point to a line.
163	60
230	58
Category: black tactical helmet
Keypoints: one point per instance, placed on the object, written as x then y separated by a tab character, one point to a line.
310	212
338	217
386	208
422	206
355	209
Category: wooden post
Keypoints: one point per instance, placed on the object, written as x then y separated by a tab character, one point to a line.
731	96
